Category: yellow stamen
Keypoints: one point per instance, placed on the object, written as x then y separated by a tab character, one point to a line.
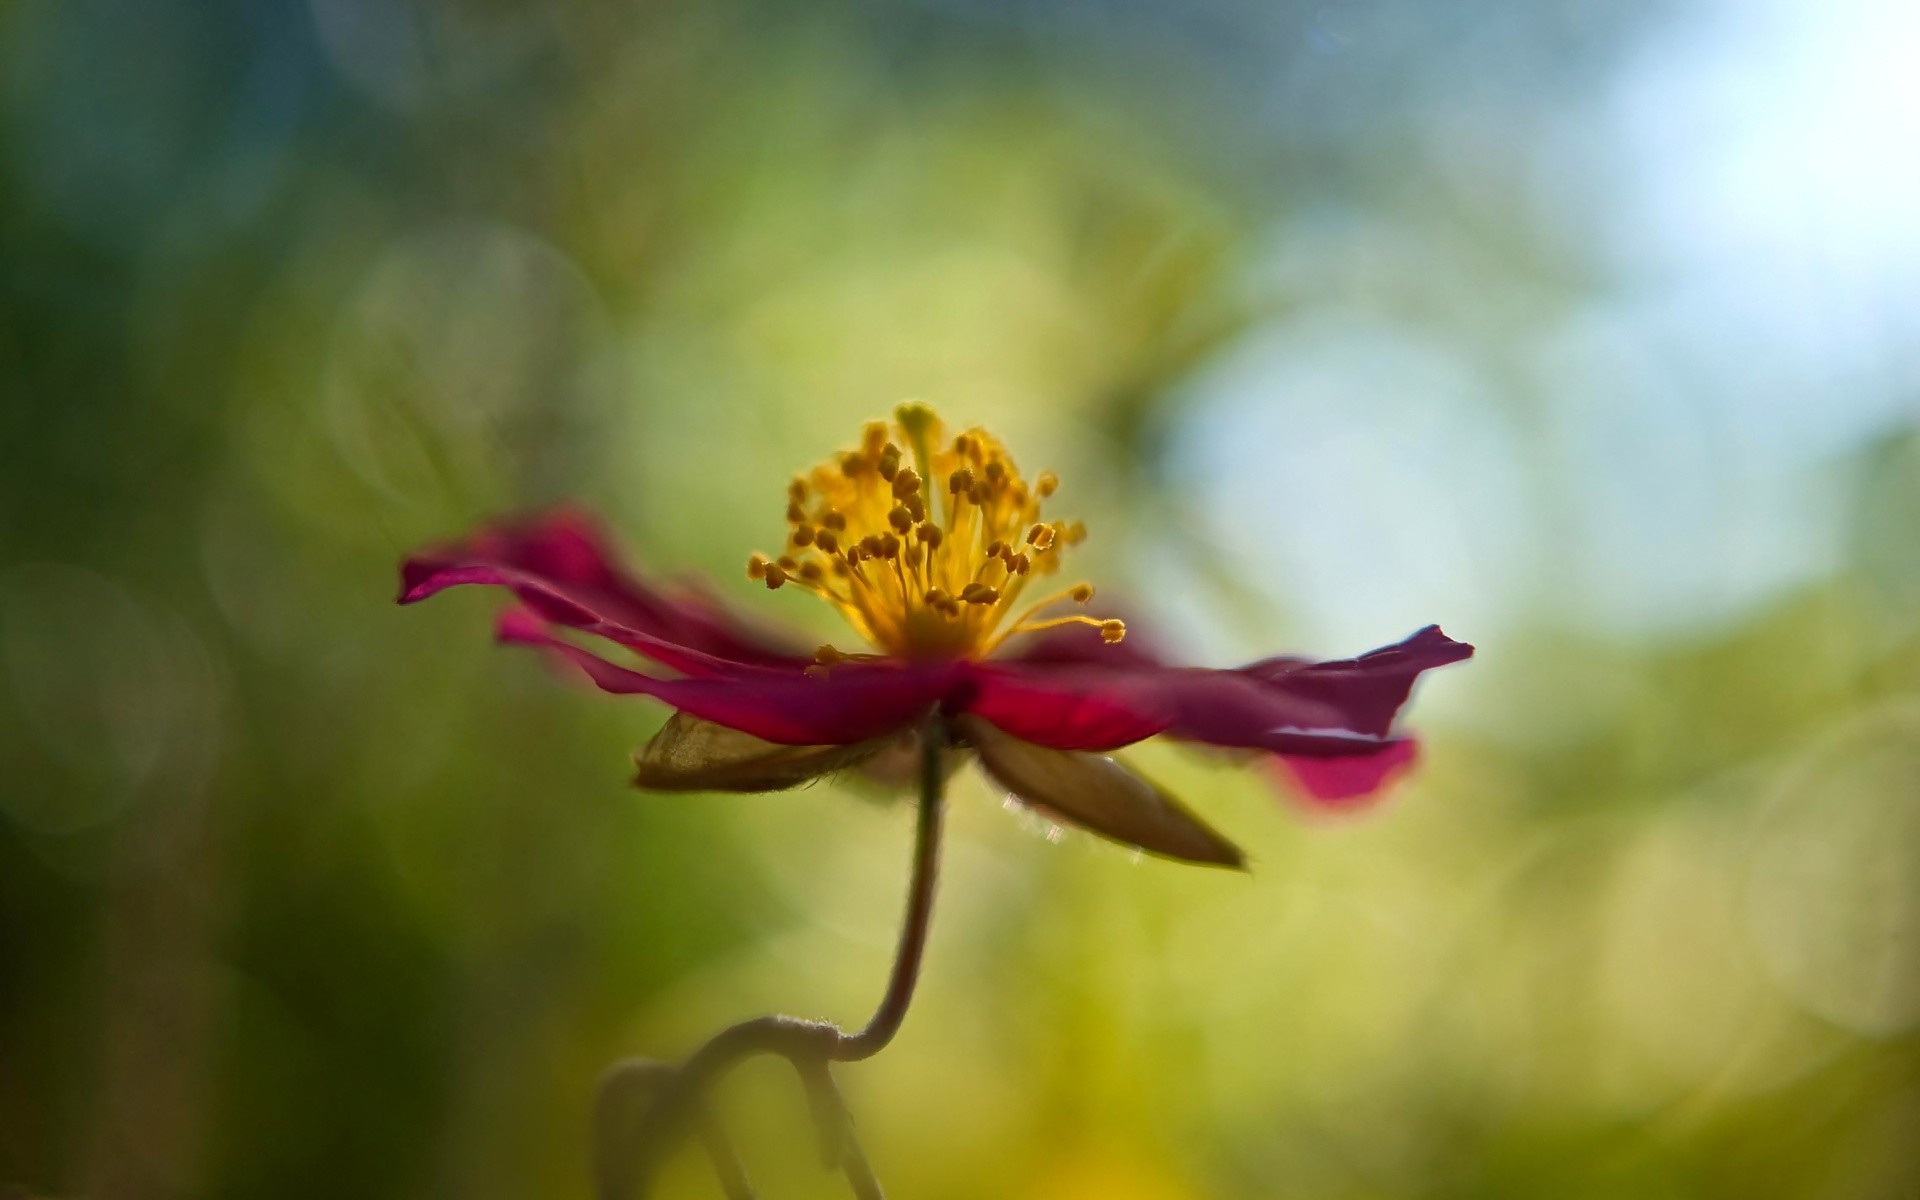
864	536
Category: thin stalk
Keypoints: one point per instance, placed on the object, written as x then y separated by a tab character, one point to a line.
678	1108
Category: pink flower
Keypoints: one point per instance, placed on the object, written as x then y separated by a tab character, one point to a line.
929	546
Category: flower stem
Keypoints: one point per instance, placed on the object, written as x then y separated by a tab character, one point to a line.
677	1107
913	930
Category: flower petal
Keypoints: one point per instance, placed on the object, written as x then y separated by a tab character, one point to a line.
788	705
1369	690
1076	707
1099	795
1066	697
692	755
1344	782
561	566
1063	707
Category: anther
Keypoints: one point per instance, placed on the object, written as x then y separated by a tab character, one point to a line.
978	593
803	535
786	563
995	549
1080	593
824	539
796	489
811	572
930	534
1019	564
889	466
757	567
960	481
996	471
889	546
900	518
795	514
870	545
1046	485
916	418
1112	631
1040	536
937	597
834	520
775	577
906	483
916	508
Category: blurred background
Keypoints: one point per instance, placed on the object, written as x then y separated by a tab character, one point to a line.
1587	328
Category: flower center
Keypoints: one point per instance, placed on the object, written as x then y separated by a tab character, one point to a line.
926	550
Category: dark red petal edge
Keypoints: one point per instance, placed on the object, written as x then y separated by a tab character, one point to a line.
561	566
850	703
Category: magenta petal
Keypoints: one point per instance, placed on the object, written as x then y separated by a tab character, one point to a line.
850	703
562	568
1369	690
1074	707
1062	708
1342	782
1062	692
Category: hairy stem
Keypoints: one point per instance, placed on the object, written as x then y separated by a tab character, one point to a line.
677	1106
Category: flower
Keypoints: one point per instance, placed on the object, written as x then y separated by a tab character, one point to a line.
929	547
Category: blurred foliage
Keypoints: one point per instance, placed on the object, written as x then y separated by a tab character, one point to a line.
303	895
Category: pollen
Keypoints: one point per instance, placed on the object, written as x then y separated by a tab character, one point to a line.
928	545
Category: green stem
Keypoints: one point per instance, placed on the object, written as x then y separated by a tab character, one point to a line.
809	1045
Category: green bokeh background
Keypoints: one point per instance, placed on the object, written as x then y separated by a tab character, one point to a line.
1586	329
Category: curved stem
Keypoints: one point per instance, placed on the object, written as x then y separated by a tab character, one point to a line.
637	1079
913	931
809	1045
